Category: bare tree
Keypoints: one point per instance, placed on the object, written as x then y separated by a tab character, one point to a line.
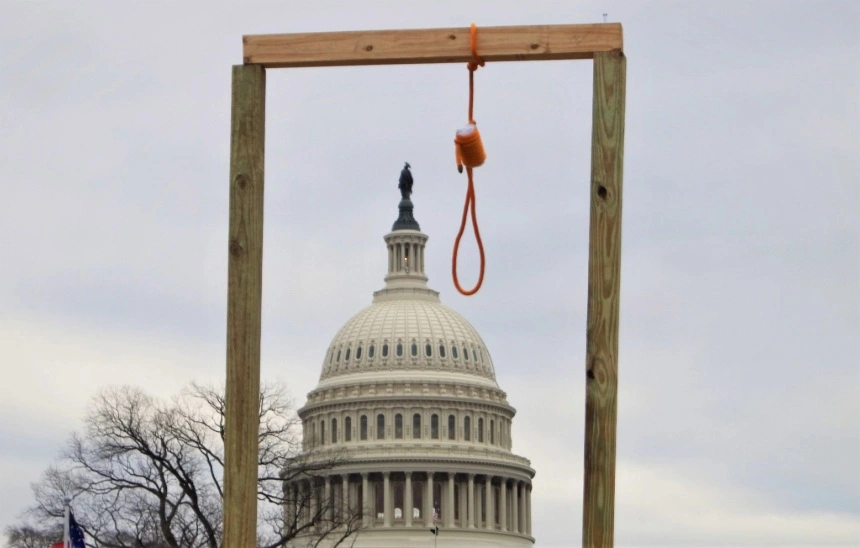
148	473
27	536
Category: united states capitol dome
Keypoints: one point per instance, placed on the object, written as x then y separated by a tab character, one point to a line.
408	333
409	409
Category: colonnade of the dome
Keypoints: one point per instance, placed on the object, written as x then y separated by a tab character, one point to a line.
392	497
406	253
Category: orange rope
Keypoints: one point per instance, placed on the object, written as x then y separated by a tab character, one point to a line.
469	151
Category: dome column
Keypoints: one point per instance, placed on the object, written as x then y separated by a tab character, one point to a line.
529	510
290	507
328	505
461	500
522	517
386	499
515	512
488	497
503	505
344	496
428	501
470	506
407	500
449	511
304	503
314	504
365	499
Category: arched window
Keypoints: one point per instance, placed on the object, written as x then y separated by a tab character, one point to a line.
322	432
338	357
465	354
474	354
453	351
331	357
416	426
380	426
313	433
434	426
467	428
347	429
413	350
385	350
334	430
481	430
358	353
346	356
399	349
492	431
441	350
428	350
363	427
398	426
452	427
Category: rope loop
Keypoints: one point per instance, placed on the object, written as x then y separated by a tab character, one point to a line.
469	152
468	207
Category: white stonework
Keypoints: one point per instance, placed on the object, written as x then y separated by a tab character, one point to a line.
408	394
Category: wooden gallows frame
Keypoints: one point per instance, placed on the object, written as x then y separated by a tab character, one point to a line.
601	42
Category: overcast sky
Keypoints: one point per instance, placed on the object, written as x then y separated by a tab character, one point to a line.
739	421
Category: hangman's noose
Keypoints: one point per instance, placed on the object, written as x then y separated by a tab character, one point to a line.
470	153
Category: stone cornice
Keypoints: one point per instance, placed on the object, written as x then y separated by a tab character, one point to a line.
425	457
478	467
390	402
419	390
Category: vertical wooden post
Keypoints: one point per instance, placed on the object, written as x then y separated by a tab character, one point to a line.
604	269
244	301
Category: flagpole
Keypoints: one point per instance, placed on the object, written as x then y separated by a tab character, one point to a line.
67	541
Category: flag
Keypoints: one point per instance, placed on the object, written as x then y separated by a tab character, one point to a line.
76	534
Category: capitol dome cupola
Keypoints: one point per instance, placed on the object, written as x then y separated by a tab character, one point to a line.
405	242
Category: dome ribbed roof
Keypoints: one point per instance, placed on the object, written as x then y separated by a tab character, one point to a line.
432	337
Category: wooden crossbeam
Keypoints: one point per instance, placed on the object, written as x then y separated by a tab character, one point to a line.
397	47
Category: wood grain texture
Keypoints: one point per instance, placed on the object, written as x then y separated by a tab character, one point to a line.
604	283
391	47
244	300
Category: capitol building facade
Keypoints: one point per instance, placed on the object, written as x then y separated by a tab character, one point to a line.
408	401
